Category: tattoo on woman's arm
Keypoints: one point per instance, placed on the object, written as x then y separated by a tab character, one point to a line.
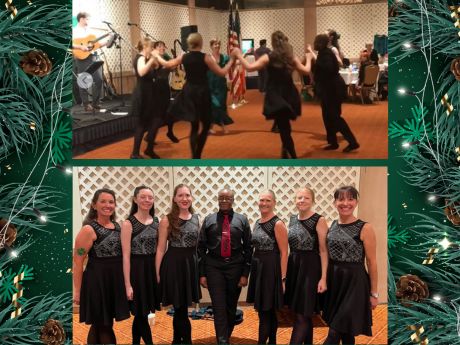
81	251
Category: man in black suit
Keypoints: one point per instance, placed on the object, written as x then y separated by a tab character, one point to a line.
225	252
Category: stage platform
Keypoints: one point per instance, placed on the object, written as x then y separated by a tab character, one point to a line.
95	129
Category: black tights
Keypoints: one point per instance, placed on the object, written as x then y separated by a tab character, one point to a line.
284	126
268	325
302	332
101	334
197	141
151	135
141	329
334	337
181	326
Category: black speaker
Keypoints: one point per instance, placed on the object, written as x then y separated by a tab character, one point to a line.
184	32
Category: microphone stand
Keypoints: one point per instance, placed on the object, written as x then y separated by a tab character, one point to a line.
118	39
142	30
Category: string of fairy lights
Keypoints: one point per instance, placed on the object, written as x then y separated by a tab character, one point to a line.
426	142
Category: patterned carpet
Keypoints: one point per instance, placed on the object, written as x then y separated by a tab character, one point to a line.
245	333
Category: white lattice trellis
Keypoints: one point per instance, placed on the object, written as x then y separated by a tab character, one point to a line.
163	21
284	181
123	180
357	24
247	182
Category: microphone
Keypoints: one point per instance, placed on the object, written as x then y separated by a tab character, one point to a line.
108	23
132	24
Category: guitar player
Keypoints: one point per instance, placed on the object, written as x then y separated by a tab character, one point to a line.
80	33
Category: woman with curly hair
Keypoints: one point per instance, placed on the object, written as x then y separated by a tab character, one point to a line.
282	100
334	45
177	268
331	90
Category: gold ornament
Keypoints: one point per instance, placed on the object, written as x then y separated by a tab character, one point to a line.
52	333
10	7
36	62
415	337
410	288
17	295
7	233
446	104
430	256
451	212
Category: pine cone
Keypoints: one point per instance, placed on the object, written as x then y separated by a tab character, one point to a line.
52	333
451	212
411	288
36	62
455	68
10	233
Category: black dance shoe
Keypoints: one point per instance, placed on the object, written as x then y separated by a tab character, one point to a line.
351	147
331	147
172	137
136	157
151	154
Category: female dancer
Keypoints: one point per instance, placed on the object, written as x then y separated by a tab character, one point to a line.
218	87
352	292
282	100
194	102
268	267
307	265
139	235
177	268
331	89
99	290
143	100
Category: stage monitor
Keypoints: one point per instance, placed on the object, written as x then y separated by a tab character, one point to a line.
246	44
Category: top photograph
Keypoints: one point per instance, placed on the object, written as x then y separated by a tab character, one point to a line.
230	79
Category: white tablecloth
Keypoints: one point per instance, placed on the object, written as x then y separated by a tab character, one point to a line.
348	76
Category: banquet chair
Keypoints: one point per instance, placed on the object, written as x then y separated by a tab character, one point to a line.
369	85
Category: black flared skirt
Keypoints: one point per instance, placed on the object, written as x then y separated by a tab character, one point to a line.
303	275
103	294
347	307
265	288
192	104
179	277
144	283
281	101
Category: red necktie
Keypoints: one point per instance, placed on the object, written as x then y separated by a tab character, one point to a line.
225	247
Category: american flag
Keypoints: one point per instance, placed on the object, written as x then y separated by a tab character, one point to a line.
236	74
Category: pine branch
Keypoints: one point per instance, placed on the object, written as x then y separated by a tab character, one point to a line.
7	287
395	237
412	129
13	200
25	329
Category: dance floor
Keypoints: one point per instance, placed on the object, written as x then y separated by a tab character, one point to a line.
250	136
245	333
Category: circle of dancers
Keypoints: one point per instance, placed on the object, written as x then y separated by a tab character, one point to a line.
135	267
202	100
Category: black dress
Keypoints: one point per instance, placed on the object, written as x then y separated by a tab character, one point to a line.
163	93
265	288
347	307
142	272
103	294
143	98
281	97
179	274
194	101
304	266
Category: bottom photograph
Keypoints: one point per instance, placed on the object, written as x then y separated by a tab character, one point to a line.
230	255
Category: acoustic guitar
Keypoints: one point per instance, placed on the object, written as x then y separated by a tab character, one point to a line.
91	41
177	80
